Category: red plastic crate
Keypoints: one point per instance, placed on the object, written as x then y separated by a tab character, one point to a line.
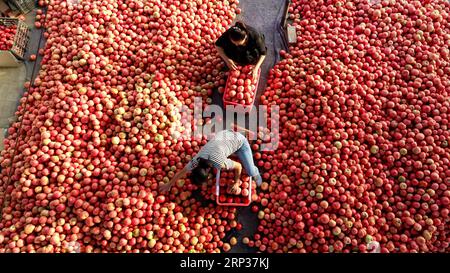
232	200
246	107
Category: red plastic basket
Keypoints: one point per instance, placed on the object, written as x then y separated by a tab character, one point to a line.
244	107
233	203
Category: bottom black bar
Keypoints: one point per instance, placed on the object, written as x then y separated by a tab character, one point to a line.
225	262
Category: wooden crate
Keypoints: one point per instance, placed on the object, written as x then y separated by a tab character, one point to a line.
16	53
22	6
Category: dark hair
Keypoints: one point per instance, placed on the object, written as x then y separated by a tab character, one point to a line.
238	32
201	172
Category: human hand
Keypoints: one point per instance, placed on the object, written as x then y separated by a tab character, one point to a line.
234	188
231	65
255	73
165	187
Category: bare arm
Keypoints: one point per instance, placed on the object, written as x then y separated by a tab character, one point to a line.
237	174
230	63
175	178
258	65
237	171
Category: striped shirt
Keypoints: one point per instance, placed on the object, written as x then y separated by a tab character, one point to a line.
218	149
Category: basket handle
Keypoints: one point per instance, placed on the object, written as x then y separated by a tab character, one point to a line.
218	183
250	189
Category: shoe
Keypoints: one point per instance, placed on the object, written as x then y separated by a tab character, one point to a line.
258	180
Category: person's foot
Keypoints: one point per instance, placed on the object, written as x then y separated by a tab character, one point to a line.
258	180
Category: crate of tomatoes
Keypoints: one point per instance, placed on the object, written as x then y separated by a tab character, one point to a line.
241	88
225	197
13	41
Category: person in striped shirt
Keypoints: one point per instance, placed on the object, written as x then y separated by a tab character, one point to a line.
215	154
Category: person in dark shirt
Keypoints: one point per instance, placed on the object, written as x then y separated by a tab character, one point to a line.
242	45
